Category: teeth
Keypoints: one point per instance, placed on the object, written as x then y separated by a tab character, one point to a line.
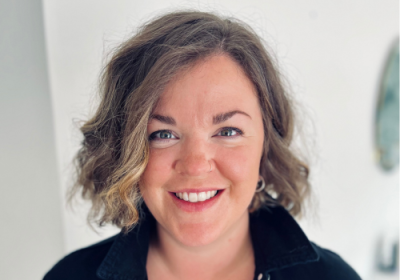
202	196
195	197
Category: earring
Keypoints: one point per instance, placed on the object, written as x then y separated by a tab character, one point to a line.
260	184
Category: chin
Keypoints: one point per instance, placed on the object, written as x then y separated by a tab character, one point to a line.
195	235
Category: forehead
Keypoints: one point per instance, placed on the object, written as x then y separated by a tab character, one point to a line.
212	85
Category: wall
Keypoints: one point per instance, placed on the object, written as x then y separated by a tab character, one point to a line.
332	53
31	234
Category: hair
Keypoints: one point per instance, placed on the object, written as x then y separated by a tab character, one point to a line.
115	148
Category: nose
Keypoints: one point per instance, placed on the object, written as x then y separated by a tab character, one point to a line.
194	159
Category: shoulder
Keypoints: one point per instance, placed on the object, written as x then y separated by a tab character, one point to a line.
81	264
330	266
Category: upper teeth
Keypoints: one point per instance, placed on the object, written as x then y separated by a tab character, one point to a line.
195	197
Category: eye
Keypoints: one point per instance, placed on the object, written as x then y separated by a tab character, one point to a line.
229	132
161	135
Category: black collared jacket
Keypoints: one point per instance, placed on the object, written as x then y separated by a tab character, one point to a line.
282	252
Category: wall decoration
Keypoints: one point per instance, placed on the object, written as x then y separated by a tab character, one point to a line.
387	113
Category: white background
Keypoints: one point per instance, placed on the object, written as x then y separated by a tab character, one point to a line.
332	54
31	232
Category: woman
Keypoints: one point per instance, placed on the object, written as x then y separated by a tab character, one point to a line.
189	154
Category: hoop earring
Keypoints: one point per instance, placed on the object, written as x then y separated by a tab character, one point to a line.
260	184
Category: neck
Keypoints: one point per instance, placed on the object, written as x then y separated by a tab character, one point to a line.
231	254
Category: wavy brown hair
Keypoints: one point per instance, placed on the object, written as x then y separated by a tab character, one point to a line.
115	148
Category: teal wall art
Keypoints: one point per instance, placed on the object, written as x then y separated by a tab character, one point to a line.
387	113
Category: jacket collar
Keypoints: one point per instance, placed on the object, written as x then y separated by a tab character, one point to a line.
278	242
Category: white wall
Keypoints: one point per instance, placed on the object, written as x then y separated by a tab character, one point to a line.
31	236
332	52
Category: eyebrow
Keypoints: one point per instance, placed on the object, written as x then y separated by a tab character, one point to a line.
164	119
217	119
225	116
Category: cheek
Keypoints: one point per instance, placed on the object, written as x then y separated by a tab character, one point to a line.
240	165
158	169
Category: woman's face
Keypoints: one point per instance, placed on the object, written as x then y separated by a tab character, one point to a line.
206	135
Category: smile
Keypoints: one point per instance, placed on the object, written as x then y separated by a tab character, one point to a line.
192	201
196	197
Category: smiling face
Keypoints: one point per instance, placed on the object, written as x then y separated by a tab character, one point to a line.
206	135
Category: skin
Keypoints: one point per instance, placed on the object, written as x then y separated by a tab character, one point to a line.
214	243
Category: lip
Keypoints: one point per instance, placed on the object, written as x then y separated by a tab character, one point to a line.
197	206
196	190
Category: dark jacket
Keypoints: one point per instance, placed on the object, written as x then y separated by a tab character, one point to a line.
282	252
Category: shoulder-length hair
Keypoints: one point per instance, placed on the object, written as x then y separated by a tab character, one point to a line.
115	148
